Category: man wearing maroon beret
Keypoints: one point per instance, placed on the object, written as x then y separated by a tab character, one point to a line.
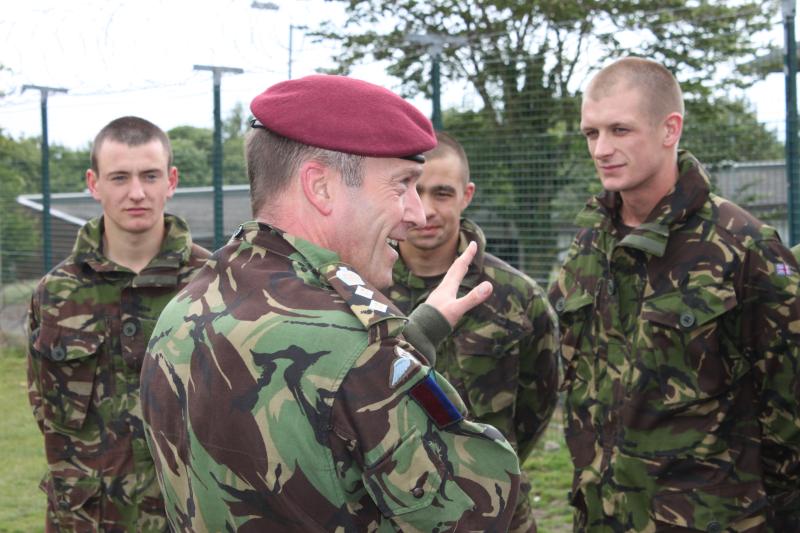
282	391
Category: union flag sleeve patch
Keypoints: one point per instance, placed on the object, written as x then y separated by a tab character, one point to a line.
430	396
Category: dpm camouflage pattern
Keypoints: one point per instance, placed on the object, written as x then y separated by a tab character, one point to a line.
279	395
502	355
680	348
90	321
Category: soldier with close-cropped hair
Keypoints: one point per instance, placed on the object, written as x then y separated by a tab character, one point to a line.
680	324
502	356
90	319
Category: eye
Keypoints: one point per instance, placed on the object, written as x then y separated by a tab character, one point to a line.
620	130
117	177
590	134
151	177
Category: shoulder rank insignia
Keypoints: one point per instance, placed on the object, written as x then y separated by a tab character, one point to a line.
367	303
430	396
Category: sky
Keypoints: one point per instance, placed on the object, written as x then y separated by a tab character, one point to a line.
136	57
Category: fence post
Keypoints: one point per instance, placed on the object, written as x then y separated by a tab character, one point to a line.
46	244
792	173
218	203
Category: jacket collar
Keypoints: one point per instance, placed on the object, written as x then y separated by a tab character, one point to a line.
469	231
690	193
162	270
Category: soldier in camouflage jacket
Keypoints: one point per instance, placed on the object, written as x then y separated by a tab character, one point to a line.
502	355
680	334
90	319
280	392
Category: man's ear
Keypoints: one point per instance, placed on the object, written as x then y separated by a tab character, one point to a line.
172	177
469	192
91	184
673	127
318	182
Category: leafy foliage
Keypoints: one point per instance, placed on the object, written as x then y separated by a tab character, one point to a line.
525	61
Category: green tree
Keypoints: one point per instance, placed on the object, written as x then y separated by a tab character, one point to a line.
193	150
19	234
68	168
234	128
728	130
525	60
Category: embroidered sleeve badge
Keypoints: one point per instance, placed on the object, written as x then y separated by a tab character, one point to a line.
430	396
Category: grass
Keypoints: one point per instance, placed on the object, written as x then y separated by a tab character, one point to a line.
550	470
22	504
17	293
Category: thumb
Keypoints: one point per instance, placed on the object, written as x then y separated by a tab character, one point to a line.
458	307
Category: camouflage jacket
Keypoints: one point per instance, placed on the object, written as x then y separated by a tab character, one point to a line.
502	355
279	395
90	321
680	347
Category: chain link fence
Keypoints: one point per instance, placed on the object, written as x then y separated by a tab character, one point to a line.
532	171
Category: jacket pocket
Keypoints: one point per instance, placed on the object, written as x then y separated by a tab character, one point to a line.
68	360
74	501
684	339
732	506
406	480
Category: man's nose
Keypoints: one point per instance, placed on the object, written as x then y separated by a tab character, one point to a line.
415	210
136	190
603	146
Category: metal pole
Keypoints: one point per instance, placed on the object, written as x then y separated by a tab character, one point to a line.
217	165
47	255
291	28
218	205
46	237
436	119
435	45
793	173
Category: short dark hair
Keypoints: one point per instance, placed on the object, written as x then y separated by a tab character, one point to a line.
272	160
447	143
660	90
131	131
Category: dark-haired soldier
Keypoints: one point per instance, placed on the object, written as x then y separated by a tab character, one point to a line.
502	355
90	319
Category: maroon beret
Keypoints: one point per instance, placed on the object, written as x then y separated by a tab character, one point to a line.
345	115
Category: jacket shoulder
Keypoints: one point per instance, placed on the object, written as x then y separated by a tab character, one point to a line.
506	276
736	224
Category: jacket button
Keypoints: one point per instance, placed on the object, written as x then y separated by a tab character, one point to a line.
714	527
129	329
560	303
58	353
687	319
417	492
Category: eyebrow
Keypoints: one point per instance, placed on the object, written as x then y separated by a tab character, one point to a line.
154	170
437	188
